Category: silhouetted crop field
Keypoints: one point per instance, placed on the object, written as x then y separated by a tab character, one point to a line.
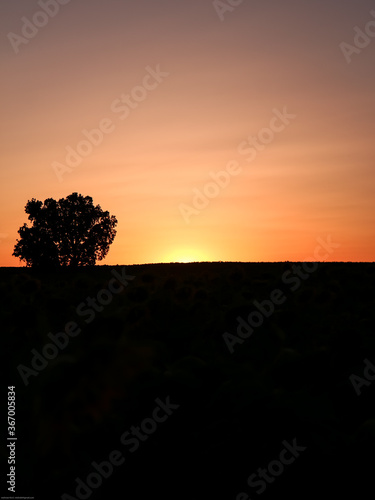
196	375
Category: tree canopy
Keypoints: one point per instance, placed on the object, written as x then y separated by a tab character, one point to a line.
68	232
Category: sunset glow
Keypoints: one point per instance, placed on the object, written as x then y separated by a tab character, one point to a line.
236	135
184	256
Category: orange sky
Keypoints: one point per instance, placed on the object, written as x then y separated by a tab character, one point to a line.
222	76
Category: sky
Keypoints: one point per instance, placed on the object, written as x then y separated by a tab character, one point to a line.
213	131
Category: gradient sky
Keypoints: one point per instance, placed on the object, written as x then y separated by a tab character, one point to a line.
223	78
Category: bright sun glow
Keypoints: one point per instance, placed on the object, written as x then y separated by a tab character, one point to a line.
186	255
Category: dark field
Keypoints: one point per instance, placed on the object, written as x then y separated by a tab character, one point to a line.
160	342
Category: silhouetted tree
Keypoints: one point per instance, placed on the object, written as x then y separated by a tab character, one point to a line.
68	232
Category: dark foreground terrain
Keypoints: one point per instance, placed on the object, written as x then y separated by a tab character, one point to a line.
159	388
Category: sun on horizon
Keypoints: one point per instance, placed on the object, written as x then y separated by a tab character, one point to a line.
185	256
